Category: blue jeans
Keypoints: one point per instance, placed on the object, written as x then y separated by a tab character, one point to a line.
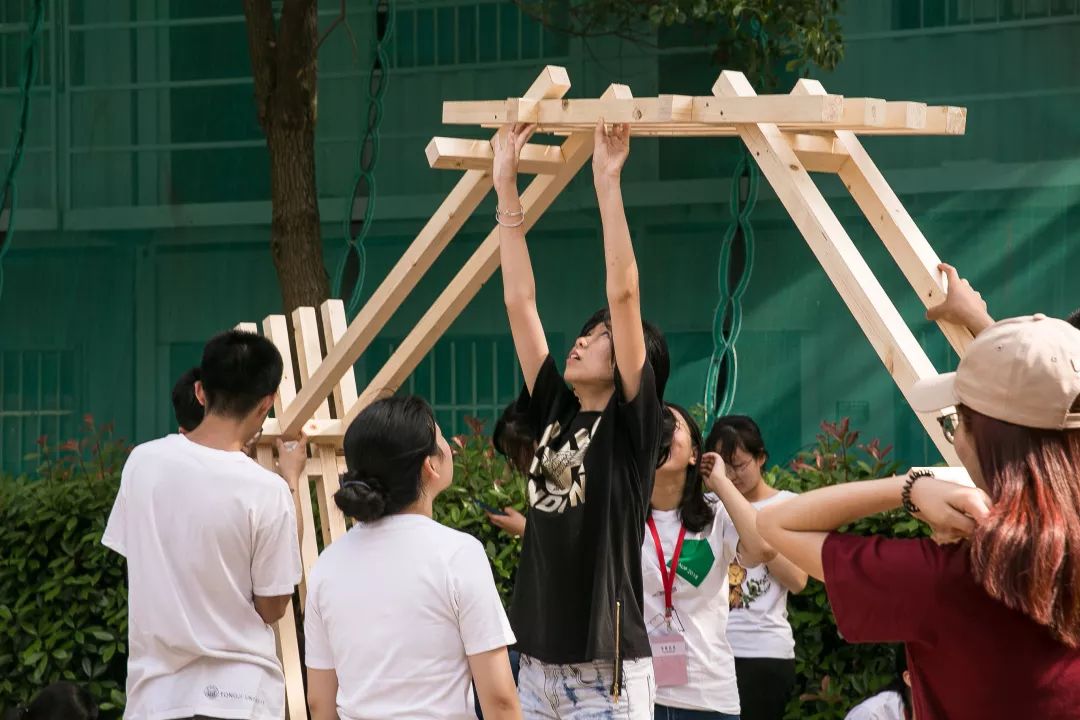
668	713
582	691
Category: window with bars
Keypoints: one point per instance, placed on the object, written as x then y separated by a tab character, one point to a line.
39	398
462	377
917	14
431	34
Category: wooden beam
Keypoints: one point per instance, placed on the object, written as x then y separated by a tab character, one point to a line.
862	113
537	197
324	431
285	638
288	647
587	111
904	114
817	153
940	120
459	154
277	331
768	108
309	356
890	336
248	327
459	205
308	350
897	230
329	482
334	326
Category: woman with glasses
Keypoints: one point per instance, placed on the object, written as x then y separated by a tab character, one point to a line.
990	614
757	629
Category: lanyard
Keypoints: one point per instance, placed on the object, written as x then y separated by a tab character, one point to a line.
667	577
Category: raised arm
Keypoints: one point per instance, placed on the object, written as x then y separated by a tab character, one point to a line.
753	550
519	285
797	527
611	147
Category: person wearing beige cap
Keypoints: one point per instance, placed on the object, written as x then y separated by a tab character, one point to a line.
991	622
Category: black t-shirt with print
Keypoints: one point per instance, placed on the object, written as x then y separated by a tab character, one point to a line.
588	490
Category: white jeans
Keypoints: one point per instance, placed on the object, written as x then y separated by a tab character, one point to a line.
583	691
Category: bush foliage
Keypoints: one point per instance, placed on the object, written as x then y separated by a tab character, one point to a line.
63	596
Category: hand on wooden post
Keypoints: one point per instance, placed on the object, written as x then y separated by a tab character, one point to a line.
507	145
963	305
292	460
611	147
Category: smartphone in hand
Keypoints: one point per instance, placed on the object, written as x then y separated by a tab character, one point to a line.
488	508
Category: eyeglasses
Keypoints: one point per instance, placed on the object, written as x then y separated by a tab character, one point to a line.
949	423
739	467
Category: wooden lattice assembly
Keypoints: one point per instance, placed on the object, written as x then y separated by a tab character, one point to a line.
789	136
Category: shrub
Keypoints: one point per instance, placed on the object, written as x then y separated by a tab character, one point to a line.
63	596
480	474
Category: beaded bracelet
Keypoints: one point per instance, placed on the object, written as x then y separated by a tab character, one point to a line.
905	494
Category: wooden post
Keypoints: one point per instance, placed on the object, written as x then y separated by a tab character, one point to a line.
891	221
842	262
309	355
288	647
537	197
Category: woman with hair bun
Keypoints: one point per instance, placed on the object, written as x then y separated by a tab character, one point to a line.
402	613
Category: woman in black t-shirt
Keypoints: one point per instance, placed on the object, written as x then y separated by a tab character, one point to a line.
578	607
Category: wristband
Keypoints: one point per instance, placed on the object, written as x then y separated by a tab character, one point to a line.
905	494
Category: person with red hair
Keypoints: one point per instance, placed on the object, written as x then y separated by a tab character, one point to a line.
990	613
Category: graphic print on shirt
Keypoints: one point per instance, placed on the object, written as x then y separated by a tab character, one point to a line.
743	589
557	474
695	561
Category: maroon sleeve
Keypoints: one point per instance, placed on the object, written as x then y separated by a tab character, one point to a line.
882	590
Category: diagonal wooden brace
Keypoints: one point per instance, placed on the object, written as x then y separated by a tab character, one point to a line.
869	304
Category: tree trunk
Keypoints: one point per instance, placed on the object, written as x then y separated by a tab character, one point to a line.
283	67
295	237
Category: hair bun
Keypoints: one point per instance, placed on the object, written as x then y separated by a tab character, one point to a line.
361	498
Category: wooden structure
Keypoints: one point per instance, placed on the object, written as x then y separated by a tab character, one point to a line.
789	136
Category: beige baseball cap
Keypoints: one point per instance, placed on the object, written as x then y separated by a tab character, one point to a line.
1024	371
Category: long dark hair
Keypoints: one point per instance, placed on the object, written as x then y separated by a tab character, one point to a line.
59	701
1026	554
695	511
385	449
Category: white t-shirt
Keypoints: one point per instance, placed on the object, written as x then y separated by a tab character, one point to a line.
203	531
395	608
758	626
883	706
700	598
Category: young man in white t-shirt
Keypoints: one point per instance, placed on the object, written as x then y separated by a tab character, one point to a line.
211	543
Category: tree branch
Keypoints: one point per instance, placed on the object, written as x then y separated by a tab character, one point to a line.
341	19
262	45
